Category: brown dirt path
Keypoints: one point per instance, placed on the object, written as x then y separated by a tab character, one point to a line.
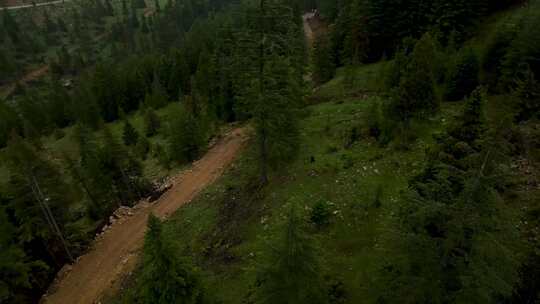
33	75
115	253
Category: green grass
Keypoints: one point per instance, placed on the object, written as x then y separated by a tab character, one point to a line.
350	81
226	229
67	144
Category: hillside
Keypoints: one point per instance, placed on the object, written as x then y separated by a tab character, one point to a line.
349	189
392	157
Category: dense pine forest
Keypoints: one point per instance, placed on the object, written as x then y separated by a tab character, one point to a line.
391	155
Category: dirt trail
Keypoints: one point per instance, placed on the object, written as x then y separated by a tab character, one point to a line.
115	253
33	75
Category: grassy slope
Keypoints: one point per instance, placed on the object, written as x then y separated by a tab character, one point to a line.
226	228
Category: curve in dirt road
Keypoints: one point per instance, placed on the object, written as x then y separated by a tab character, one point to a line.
116	252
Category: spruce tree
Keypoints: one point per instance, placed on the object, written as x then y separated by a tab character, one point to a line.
130	135
323	61
416	92
126	171
18	271
528	94
158	95
152	123
41	198
186	137
292	272
166	276
463	78
270	89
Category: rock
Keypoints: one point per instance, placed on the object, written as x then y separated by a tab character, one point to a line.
122	212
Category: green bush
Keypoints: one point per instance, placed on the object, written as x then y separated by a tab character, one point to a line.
320	214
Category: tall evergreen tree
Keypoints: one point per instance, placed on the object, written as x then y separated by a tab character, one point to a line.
129	135
464	77
151	123
271	92
416	92
186	136
323	61
292	272
41	199
17	271
166	277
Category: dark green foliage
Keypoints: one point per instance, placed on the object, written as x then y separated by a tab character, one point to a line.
40	199
144	26
134	19
270	84
320	215
157	98
454	242
377	198
142	148
11	26
186	137
17	271
166	276
416	93
162	156
138	3
463	78
494	54
323	61
368	29
524	51
9	123
292	272
125	171
130	136
7	64
396	69
152	123
109	8
528	93
471	124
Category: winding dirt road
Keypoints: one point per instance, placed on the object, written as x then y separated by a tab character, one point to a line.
116	252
